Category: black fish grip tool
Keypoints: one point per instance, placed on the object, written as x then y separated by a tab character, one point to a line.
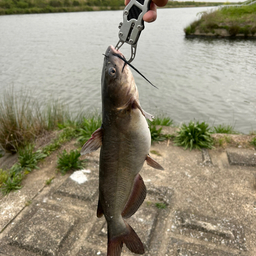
132	25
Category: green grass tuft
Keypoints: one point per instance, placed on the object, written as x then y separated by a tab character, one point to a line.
253	142
87	127
228	129
236	20
161	120
28	159
69	161
3	177
160	205
194	135
14	179
22	119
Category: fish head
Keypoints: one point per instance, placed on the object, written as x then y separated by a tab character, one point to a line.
117	82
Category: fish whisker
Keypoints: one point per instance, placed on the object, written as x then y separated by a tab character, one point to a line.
126	62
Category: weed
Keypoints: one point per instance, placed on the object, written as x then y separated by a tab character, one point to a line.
155	152
220	142
253	142
23	119
160	205
236	20
233	29
228	139
49	181
194	135
29	202
224	129
161	120
28	159
13	182
3	177
69	161
87	127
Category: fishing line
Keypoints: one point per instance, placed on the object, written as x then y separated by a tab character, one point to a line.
126	62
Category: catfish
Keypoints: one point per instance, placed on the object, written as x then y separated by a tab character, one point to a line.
124	138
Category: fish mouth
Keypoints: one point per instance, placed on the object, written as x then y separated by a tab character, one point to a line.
112	51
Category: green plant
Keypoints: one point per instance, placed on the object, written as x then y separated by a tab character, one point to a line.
224	129
155	152
194	135
3	177
87	127
163	121
13	182
156	134
28	159
49	181
22	119
253	142
160	205
69	161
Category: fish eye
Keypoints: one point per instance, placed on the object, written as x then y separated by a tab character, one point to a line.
111	71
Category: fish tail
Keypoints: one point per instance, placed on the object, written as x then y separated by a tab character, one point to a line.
130	239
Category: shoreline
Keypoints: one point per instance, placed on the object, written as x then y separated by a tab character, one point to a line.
59	6
233	22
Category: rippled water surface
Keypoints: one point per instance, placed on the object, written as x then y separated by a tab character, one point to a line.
60	56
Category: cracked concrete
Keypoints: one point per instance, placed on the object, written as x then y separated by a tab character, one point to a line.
203	203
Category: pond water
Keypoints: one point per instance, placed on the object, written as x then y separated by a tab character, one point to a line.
59	56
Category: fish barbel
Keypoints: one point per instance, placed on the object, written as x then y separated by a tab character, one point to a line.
125	140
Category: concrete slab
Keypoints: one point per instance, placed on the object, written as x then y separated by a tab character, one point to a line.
44	232
243	157
83	191
89	252
182	248
12	204
220	232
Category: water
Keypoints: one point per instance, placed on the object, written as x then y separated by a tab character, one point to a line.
60	56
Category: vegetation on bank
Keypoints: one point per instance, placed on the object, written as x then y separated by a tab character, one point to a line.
23	121
48	6
226	21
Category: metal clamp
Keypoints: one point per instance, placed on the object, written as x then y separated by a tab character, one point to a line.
132	25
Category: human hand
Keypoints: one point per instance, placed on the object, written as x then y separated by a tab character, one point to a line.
151	15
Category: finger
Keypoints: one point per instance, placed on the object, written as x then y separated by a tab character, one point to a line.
151	15
159	3
126	2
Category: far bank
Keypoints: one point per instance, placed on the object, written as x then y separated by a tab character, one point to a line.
238	21
8	7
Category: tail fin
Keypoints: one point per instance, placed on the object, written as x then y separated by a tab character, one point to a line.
131	240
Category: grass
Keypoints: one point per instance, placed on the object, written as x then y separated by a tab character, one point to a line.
156	133
69	161
49	181
228	129
160	205
49	6
253	142
194	135
235	20
28	159
20	123
14	178
87	127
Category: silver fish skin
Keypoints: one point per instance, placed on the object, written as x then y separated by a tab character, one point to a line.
125	141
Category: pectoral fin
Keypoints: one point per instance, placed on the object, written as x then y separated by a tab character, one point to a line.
136	104
136	197
151	162
93	143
